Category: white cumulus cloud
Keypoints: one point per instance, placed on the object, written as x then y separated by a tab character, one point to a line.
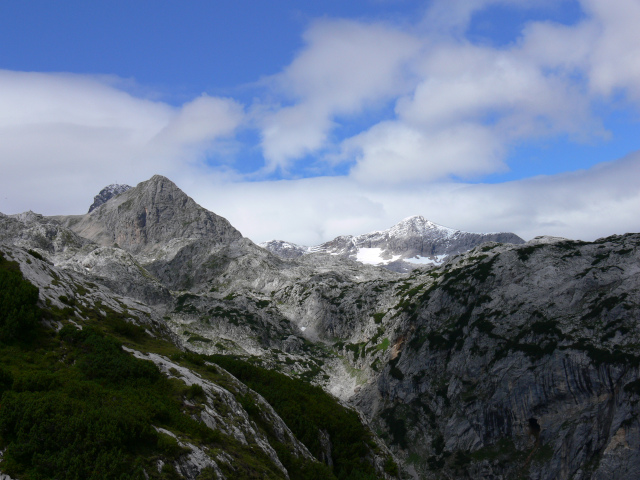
83	132
344	68
460	107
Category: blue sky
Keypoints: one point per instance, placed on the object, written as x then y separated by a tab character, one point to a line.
303	120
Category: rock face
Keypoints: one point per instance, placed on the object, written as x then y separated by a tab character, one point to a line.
107	193
34	231
149	215
415	240
508	360
518	360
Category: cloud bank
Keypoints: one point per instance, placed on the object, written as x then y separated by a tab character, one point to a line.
63	137
436	114
585	205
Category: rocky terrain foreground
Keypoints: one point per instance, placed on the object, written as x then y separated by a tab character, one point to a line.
507	361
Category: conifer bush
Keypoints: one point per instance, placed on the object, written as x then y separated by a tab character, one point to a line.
19	313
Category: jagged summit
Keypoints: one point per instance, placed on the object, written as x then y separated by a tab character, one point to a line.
155	212
107	193
285	249
413	240
417	224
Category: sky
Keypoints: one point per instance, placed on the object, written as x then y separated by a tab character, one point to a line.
303	120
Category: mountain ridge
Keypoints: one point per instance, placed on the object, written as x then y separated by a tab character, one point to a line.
412	241
107	193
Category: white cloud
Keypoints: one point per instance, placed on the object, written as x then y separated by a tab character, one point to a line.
292	133
580	205
345	67
447	89
473	104
66	136
468	83
394	153
446	17
202	120
614	63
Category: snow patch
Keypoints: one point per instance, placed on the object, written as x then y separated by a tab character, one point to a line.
437	260
371	256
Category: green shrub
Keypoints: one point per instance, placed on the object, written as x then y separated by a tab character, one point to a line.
307	410
6	380
127	329
35	254
105	360
196	391
19	313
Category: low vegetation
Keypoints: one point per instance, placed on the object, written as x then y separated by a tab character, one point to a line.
75	405
308	411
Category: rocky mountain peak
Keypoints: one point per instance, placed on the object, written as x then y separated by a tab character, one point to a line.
27	217
413	240
107	193
152	214
418	225
285	249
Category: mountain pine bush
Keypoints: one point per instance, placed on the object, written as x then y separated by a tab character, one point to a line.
19	313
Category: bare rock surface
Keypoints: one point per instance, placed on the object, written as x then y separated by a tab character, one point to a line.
153	212
106	194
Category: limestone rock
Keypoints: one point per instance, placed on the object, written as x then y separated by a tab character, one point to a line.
144	217
507	360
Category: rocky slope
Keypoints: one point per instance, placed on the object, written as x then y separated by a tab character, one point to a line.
506	361
516	362
177	274
250	437
415	240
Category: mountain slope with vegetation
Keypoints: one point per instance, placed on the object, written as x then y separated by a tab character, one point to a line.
77	404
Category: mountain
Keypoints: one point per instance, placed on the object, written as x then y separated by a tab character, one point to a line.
413	241
285	249
106	194
125	294
505	361
151	214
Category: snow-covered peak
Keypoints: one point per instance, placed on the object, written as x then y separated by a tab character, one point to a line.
418	225
116	188
411	242
285	249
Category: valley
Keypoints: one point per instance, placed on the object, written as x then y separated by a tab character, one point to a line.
455	355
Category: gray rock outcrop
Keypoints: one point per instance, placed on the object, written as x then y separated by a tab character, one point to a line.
106	194
148	216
